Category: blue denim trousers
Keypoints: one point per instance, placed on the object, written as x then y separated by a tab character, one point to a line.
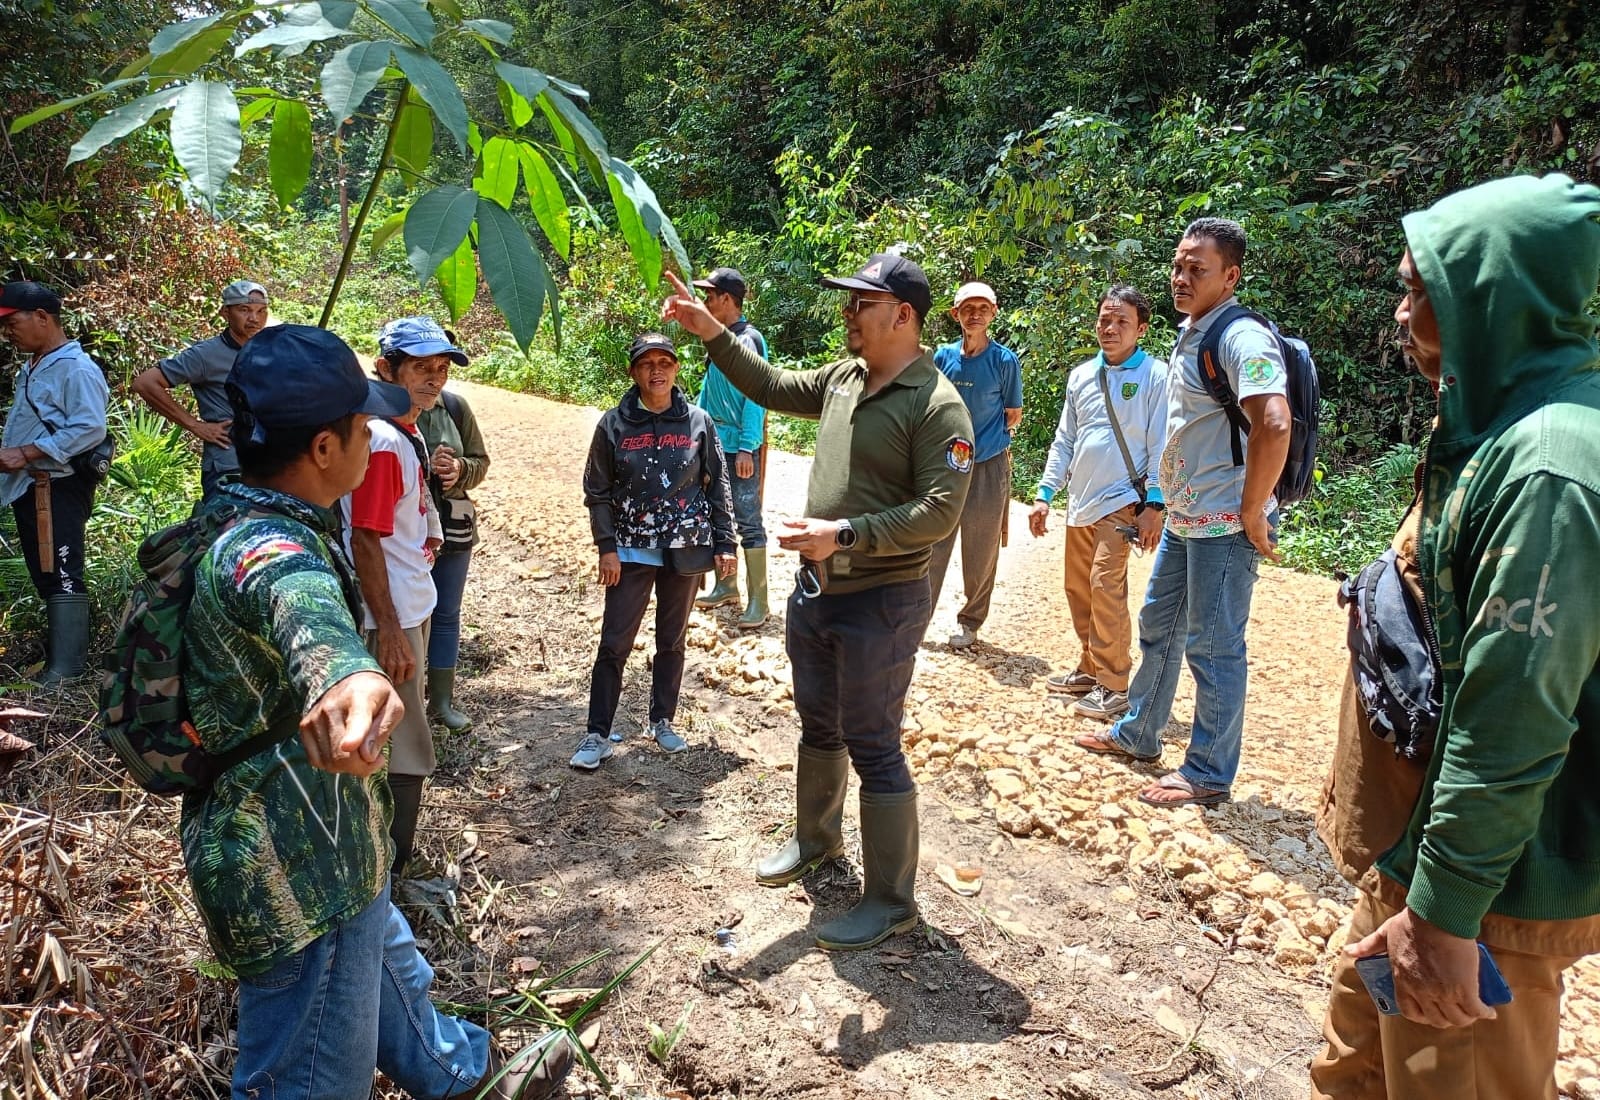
852	657
450	582
747	505
316	1024
1199	598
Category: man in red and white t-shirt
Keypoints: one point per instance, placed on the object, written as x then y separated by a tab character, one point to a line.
392	530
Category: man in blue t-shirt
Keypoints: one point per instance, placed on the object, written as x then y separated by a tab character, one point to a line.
988	377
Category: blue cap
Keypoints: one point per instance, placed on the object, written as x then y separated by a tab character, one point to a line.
299	376
418	336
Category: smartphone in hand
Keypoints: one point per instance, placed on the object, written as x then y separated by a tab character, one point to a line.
1378	976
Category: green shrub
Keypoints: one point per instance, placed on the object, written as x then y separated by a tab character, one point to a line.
1352	516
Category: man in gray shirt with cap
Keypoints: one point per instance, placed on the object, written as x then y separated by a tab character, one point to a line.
204	367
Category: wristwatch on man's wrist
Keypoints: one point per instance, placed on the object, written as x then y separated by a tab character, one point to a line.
845	536
1153	505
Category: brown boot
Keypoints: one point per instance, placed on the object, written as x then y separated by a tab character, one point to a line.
533	1073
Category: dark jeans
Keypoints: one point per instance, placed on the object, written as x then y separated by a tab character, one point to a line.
852	657
625	605
450	582
746	492
71	500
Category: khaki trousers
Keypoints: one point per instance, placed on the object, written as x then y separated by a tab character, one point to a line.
411	741
1097	595
1370	1056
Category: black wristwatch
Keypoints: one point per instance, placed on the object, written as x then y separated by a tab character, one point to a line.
1153	505
845	536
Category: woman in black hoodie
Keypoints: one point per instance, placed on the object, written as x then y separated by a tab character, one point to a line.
662	515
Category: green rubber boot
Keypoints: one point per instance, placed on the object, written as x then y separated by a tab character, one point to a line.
68	616
406	792
726	591
441	701
889	849
819	781
755	575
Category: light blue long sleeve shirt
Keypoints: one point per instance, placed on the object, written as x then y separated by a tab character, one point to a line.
60	408
1085	452
740	421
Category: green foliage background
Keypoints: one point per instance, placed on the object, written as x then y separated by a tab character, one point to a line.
1048	147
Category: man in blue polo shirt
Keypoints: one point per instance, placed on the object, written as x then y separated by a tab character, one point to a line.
988	377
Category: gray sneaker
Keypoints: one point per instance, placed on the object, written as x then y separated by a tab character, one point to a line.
1102	702
667	739
591	750
963	637
1071	683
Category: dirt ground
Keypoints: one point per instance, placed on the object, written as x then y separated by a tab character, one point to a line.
1113	951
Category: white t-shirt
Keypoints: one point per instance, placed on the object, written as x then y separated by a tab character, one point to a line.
394	501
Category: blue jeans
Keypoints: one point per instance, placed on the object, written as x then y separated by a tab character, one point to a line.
1199	596
315	1025
450	581
852	657
747	505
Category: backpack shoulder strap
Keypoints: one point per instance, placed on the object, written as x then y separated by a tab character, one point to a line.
1215	377
452	405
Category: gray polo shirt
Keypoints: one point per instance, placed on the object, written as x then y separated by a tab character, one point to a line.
204	368
1204	490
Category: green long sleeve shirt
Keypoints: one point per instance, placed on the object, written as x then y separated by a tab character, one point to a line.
896	464
279	852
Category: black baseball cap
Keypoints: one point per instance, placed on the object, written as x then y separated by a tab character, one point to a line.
895	274
300	376
650	341
22	297
726	279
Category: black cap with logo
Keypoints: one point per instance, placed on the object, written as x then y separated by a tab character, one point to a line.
650	341
726	279
895	274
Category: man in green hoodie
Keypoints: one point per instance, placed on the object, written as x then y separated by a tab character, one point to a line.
1496	838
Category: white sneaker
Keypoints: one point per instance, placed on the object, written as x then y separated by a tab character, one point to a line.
591	751
963	638
667	738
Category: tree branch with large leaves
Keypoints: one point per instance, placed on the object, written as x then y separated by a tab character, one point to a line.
391	48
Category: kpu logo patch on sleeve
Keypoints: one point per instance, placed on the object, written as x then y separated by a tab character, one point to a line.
1258	370
958	455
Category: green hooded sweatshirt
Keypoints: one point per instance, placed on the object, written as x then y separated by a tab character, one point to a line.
1508	820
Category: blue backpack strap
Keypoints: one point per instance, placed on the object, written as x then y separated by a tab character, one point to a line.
1215	377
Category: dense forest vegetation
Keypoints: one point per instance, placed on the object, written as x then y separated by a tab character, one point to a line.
1047	147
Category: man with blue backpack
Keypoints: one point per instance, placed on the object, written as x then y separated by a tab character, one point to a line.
1231	431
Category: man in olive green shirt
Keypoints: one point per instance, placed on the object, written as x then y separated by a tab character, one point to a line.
890	476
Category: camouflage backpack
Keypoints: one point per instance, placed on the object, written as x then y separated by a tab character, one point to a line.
144	714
